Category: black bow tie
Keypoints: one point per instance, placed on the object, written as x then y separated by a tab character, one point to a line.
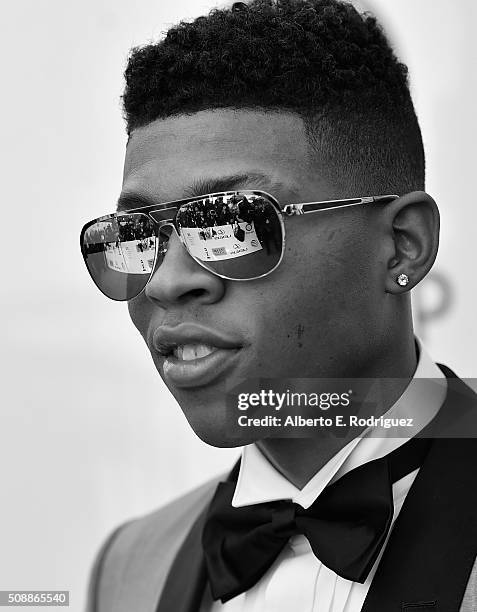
346	526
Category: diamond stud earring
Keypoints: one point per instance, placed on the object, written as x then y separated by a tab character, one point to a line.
402	280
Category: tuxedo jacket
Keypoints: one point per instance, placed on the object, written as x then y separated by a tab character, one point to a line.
155	563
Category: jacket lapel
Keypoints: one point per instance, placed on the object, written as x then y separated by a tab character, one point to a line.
185	584
186	580
432	548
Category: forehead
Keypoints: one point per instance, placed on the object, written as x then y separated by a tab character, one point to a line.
165	157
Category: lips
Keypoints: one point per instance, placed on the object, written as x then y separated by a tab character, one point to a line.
194	355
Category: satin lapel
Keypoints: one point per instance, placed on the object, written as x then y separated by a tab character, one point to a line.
433	545
186	580
185	584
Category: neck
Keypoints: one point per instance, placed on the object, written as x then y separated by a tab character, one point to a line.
299	459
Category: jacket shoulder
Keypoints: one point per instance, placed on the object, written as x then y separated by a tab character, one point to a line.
132	564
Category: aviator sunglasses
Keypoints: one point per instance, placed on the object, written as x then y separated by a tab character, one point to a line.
236	235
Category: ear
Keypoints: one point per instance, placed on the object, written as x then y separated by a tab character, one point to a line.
412	226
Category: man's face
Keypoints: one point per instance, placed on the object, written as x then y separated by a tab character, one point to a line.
318	315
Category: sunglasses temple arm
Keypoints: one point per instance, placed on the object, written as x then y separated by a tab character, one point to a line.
310	207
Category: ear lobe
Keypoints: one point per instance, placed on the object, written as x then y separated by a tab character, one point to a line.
413	222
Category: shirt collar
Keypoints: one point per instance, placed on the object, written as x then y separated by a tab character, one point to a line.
258	481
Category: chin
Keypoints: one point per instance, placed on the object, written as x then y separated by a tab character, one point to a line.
218	439
216	433
214	423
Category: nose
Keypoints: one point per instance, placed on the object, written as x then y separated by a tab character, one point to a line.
179	279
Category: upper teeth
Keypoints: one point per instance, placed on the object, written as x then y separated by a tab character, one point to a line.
187	352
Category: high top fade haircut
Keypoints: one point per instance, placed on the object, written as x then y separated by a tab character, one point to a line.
320	59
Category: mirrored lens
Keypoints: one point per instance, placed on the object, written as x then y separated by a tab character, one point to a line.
119	253
238	236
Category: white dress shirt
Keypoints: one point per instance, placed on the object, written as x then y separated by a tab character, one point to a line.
297	580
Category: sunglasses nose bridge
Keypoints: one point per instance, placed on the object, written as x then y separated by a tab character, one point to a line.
165	229
165	223
164	218
163	215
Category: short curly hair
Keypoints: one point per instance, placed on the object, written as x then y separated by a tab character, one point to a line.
320	59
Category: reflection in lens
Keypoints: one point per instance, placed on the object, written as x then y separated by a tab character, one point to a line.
236	235
119	253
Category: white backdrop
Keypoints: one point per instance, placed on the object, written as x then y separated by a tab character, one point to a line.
90	436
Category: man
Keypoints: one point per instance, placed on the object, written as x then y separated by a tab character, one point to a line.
299	101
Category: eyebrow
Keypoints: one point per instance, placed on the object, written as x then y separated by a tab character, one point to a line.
128	201
226	183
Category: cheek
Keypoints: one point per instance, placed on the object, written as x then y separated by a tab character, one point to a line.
139	311
317	308
337	262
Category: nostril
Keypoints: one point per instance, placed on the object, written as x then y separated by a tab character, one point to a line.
196	293
191	295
